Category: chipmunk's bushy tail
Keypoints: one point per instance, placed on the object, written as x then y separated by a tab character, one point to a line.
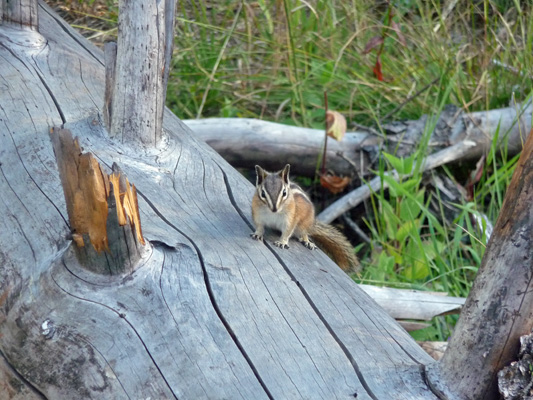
335	245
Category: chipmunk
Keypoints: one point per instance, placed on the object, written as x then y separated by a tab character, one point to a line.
284	206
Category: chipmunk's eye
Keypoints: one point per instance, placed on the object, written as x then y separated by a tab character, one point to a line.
263	194
284	192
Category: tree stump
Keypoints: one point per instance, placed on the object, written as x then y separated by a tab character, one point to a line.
103	209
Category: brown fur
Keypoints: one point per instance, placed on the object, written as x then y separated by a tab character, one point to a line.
332	242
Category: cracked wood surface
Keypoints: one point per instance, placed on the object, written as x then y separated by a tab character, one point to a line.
210	313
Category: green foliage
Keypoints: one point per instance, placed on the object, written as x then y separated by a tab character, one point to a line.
283	54
414	245
273	59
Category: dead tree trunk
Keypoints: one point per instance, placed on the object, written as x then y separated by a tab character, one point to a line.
144	49
22	13
103	210
499	308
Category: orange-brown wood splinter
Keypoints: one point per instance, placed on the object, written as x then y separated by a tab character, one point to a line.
128	199
90	195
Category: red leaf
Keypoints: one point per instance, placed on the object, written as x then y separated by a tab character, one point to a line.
377	70
335	184
396	28
373	43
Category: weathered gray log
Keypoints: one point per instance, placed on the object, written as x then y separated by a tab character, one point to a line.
413	304
22	13
210	313
246	142
144	50
499	308
408	306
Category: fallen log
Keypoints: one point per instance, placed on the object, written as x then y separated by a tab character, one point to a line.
411	307
414	304
247	142
208	313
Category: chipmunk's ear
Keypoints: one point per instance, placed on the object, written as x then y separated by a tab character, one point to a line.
261	175
285	174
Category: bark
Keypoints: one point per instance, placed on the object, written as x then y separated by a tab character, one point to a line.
247	142
499	308
515	381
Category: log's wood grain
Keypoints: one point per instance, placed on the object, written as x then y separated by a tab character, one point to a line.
349	316
22	13
110	54
272	322
13	386
210	313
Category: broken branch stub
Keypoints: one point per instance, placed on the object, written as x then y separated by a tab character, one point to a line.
102	209
137	69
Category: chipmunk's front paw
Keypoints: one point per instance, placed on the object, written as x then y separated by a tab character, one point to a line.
256	236
281	245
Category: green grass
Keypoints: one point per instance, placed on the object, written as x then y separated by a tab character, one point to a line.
283	54
273	59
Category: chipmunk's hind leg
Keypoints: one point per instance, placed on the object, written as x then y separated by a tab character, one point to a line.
304	239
